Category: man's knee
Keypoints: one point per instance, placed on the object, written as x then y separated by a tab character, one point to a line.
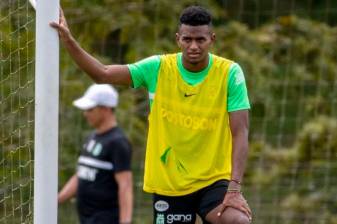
235	220
234	216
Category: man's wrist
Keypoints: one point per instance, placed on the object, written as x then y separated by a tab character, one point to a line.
234	186
236	181
234	191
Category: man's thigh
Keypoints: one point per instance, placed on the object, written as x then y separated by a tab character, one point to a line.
210	203
211	197
180	209
230	215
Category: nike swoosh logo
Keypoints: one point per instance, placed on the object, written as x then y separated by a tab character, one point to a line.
188	95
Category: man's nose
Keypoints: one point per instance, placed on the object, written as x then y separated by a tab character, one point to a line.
194	45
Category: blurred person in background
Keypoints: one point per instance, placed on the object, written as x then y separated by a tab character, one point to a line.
103	181
197	142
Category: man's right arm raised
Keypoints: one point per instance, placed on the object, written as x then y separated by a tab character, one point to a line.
100	73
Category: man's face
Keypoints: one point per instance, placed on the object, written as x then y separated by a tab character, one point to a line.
194	42
94	116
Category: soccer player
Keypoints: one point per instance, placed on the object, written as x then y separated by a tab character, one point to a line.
103	181
198	125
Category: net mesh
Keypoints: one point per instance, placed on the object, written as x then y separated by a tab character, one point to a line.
17	36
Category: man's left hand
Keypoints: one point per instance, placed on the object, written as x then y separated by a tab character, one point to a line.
237	201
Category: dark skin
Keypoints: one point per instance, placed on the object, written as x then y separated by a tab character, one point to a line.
195	43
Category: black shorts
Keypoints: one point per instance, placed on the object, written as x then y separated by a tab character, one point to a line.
101	217
183	209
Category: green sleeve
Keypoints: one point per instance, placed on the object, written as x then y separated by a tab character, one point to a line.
237	90
144	73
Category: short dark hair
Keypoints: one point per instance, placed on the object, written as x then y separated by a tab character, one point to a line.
195	16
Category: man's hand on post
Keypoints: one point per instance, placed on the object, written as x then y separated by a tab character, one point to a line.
62	27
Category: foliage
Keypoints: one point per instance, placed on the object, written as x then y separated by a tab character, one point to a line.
307	173
290	70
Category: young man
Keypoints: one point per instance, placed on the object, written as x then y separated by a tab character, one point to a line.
103	181
198	126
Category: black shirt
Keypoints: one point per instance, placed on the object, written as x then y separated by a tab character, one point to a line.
101	157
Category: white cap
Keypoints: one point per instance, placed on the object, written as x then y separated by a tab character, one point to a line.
97	95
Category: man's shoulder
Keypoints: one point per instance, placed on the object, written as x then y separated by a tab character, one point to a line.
222	62
117	134
168	56
222	59
120	138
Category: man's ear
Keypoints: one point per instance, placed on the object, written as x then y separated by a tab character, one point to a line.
213	37
177	39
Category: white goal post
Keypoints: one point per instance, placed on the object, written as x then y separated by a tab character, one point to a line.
33	3
46	113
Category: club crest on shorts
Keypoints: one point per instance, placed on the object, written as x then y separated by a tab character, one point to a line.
161	206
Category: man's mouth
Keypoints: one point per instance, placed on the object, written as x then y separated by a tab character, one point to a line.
193	55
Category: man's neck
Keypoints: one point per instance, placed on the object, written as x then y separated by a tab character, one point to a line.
197	67
106	126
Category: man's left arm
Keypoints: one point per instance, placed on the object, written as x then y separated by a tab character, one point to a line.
237	107
125	196
238	122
